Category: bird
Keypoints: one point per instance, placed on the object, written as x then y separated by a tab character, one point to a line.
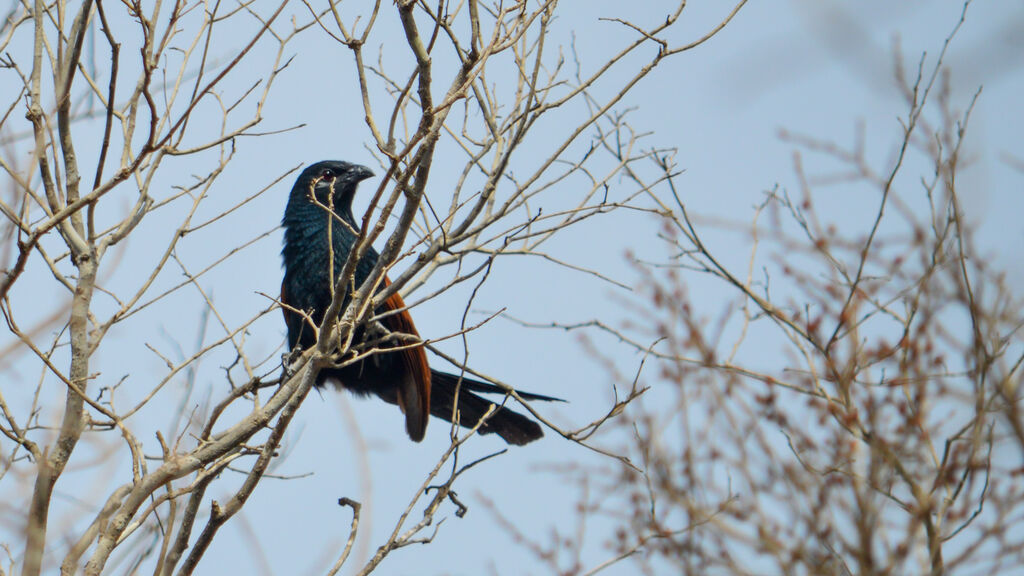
398	372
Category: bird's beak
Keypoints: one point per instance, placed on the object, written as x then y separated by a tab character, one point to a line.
362	173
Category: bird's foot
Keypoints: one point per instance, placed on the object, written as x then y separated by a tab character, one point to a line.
287	362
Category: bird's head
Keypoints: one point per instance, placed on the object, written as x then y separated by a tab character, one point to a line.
329	177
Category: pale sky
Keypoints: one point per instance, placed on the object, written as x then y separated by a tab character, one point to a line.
814	67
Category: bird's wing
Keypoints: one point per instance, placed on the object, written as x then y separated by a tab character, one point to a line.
414	387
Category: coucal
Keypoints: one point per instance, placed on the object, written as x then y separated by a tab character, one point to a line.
400	376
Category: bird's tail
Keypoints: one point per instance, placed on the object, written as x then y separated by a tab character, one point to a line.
513	427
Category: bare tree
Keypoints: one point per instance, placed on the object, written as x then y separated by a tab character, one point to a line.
133	115
855	407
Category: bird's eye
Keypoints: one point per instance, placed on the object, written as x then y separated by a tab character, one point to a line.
327	174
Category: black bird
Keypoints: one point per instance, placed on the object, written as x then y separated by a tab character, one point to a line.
402	376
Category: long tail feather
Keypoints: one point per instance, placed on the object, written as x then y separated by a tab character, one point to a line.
511	426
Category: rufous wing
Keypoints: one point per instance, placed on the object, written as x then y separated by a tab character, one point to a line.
413	384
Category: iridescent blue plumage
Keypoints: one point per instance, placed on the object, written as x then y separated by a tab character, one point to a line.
305	254
314	239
